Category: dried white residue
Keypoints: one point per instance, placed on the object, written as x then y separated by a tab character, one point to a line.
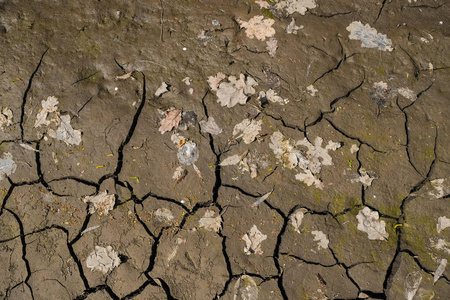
318	156
245	288
210	126
368	222
296	219
407	93
103	259
292	6
312	90
272	46
253	240
258	27
292	28
272	96
440	270
65	132
7	165
440	189
412	283
187	80
6	116
284	150
364	178
248	130
369	36
101	203
163	215
235	91
443	222
309	179
48	106
209	222
321	239
354	148
162	89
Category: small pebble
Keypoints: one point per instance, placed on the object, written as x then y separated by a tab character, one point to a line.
184	48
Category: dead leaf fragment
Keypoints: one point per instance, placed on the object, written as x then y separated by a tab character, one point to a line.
7	166
248	130
440	270
321	239
48	106
6	117
101	203
253	239
162	89
171	120
124	76
235	91
103	259
258	27
179	174
65	132
262	199
368	222
209	222
210	126
272	46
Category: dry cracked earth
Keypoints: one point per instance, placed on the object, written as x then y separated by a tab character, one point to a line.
224	149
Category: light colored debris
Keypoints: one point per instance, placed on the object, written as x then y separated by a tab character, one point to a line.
124	76
412	283
369	36
354	149
440	189
262	199
407	93
296	219
65	132
191	91
292	6
204	37
258	27
443	222
248	130
292	28
188	153
210	126
440	270
245	287
163	215
253	240
28	147
101	203
381	92
312	90
177	138
7	165
171	120
179	174
272	96
48	106
364	178
187	80
440	244
178	242
321	239
162	89
197	170
232	160
368	222
235	91
284	151
263	4
90	229
209	222
317	155
309	179
252	162
272	46
6	117
103	259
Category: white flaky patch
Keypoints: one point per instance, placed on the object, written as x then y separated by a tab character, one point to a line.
103	259
368	222
369	36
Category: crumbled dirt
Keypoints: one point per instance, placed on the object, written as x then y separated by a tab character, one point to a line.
104	61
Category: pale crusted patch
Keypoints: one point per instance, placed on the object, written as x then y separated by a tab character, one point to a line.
258	27
248	130
209	222
368	222
235	91
253	239
369	36
103	259
101	203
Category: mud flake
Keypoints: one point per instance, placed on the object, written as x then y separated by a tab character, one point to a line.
296	219
65	132
368	222
369	36
6	117
7	165
210	126
258	27
48	106
209	222
309	179
235	91
103	259
171	120
293	6
253	240
321	239
248	130
101	203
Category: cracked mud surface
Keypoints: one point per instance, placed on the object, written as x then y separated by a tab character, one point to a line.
390	156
